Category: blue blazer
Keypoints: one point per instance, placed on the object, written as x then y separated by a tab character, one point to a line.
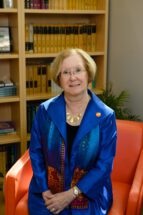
92	154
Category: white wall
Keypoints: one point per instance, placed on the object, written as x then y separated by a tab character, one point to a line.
125	57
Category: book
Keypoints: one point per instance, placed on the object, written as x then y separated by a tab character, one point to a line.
12	154
52	39
62	35
1	3
76	37
8	3
8	91
7	127
48	79
38	78
47	39
35	80
29	38
27	80
43	38
5	39
2	160
46	4
68	36
43	78
2	165
1	83
88	38
80	37
40	32
35	38
31	111
93	37
8	83
58	39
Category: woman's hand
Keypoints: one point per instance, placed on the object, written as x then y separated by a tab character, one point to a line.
47	195
57	202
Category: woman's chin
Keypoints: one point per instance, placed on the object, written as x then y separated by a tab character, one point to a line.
76	92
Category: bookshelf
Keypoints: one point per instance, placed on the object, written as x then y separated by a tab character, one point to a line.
10	106
14	64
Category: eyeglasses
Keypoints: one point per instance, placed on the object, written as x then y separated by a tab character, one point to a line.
72	71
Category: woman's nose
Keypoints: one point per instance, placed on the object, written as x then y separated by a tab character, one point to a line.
72	76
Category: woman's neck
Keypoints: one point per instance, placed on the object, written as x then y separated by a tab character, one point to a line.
76	104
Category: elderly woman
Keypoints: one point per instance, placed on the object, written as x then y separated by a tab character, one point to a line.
73	144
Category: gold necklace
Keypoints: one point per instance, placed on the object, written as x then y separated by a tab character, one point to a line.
74	120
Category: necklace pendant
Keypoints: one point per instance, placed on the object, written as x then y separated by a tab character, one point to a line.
77	118
73	120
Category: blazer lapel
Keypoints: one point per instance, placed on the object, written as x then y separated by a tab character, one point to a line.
92	117
57	114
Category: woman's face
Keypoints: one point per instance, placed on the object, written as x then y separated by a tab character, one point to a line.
73	76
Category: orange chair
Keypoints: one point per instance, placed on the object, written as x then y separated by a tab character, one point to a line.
127	175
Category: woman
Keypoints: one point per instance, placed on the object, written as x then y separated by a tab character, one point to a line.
73	143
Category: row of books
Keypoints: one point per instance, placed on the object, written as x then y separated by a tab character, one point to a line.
36	4
7	127
38	80
54	38
31	111
7	88
6	3
61	4
8	156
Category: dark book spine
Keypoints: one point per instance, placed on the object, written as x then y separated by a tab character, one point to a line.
1	3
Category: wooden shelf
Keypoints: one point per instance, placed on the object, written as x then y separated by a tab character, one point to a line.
8	99
8	10
48	11
52	55
40	96
9	138
9	56
41	55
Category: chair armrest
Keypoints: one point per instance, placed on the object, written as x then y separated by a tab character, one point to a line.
17	182
136	194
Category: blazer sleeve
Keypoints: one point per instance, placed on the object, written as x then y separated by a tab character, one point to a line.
102	168
36	154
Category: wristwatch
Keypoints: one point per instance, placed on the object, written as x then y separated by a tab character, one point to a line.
76	191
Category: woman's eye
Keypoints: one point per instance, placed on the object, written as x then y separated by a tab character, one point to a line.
65	72
78	70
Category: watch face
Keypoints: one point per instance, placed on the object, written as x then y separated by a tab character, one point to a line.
75	191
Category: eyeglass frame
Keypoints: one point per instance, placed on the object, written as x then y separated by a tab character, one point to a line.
68	72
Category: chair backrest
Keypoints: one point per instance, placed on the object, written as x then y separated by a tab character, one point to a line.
129	145
17	182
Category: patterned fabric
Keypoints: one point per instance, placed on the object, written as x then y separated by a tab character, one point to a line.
55	180
81	201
